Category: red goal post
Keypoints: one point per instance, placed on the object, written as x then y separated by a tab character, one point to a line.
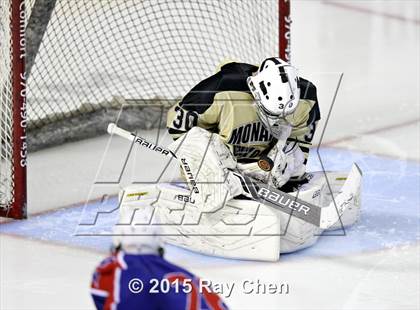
285	22
87	59
13	111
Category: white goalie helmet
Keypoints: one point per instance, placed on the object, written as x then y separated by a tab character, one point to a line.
276	92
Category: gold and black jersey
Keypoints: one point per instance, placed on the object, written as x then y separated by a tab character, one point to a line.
224	105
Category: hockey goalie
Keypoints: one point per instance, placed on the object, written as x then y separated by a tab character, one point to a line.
242	138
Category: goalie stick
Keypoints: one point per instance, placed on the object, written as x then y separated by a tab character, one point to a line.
322	217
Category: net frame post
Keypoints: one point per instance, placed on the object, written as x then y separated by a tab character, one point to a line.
285	22
18	208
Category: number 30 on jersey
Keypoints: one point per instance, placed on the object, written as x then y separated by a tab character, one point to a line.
185	120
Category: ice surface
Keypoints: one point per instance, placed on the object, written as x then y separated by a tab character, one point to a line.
390	211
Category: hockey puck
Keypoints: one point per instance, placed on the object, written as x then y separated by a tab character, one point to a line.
265	163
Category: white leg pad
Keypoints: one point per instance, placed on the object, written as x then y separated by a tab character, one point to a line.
297	234
241	229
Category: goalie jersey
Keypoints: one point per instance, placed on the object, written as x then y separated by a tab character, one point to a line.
126	282
223	104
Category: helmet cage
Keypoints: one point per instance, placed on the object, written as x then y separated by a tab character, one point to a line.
276	125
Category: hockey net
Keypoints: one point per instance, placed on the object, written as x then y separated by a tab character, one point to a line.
91	61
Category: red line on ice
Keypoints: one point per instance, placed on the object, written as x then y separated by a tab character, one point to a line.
371	12
372	131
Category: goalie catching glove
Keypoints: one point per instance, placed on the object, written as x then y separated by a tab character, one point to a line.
287	160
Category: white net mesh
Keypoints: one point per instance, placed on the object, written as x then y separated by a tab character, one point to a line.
93	51
6	115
